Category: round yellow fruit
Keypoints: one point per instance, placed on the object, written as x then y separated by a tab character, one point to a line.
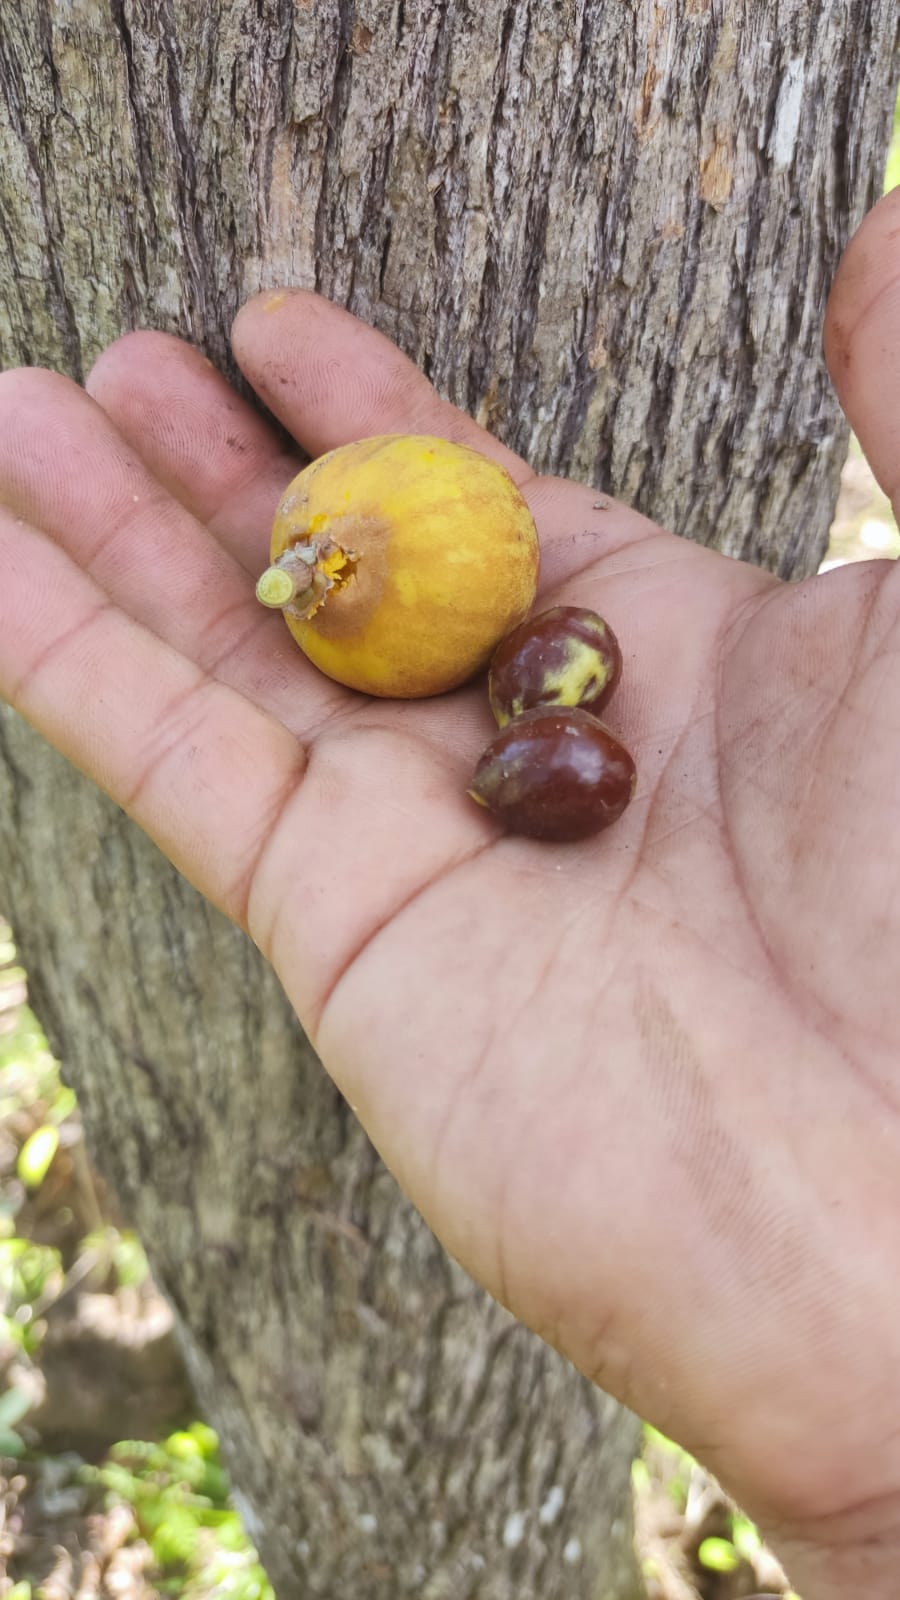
400	562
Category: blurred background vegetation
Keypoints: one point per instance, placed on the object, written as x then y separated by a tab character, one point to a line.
87	1353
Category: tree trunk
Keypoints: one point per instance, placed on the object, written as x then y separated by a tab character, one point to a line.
605	229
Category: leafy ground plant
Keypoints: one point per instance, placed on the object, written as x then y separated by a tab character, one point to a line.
178	1493
693	1540
152	1518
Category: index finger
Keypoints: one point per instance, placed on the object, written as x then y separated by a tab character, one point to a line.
331	378
862	337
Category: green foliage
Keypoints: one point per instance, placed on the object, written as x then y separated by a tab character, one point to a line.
744	1536
13	1406
120	1254
178	1491
718	1555
36	1155
28	1072
680	1464
743	1542
28	1273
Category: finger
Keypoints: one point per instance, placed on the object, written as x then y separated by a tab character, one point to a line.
224	789
211	450
862	340
218	456
330	379
204	772
223	462
65	469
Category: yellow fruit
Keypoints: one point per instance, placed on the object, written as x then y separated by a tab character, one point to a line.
400	562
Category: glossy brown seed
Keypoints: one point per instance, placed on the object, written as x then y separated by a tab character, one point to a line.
554	775
567	656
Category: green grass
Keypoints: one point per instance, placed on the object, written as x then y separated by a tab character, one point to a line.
176	1487
178	1492
665	1462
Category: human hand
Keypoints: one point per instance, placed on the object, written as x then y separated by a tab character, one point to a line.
647	1088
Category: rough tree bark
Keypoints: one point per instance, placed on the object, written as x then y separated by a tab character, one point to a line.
607	230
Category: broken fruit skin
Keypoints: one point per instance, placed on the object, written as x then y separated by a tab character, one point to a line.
409	559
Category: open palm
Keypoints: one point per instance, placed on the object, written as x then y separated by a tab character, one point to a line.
647	1089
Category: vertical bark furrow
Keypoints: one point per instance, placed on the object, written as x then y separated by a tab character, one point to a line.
134	99
183	166
328	239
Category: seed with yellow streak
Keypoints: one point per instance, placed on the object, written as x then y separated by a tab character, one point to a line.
565	657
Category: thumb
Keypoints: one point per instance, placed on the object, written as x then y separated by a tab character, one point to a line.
862	340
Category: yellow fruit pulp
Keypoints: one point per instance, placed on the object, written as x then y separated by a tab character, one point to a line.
420	555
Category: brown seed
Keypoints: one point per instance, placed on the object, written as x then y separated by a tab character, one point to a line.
567	656
558	775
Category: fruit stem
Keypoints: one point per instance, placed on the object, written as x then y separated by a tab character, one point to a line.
276	588
299	580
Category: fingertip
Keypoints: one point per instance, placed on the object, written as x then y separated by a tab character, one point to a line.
327	376
124	365
213	451
332	379
40	418
271	299
862	337
33	385
869	263
254	314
